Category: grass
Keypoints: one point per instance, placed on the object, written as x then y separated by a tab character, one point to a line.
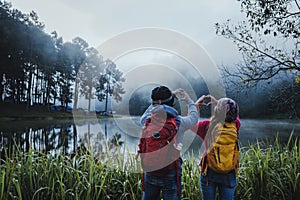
272	172
264	173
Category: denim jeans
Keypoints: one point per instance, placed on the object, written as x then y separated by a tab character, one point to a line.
153	185
225	183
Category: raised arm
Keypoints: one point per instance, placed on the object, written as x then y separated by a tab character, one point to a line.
191	119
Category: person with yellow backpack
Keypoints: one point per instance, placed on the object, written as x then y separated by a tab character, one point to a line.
219	162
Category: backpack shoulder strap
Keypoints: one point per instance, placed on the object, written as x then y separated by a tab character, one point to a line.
178	120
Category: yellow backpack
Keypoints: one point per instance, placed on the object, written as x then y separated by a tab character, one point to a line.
222	155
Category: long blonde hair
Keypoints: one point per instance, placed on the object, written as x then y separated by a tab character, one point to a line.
226	110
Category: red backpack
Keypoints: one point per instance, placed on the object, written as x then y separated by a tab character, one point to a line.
158	155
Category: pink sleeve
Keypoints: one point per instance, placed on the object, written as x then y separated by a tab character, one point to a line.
238	123
200	128
195	128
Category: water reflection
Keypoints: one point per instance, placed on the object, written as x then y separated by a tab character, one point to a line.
62	137
101	136
59	136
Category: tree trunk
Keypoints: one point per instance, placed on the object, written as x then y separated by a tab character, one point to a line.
36	86
41	93
23	91
106	97
75	95
29	90
90	96
1	88
18	91
106	101
13	90
45	93
47	98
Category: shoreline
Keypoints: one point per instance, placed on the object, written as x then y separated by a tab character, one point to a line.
11	113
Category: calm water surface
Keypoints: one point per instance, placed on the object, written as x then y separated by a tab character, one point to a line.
105	134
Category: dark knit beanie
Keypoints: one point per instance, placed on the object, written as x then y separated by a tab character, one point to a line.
163	95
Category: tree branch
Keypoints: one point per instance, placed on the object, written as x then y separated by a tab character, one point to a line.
260	51
297	4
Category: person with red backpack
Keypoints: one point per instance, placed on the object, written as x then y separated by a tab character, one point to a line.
159	149
219	162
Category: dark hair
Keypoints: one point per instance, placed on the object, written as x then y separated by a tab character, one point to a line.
162	95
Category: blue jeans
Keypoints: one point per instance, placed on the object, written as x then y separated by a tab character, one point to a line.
225	183
167	184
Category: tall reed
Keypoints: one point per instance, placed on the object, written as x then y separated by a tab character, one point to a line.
270	172
191	178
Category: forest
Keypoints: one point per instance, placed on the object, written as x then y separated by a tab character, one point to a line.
41	69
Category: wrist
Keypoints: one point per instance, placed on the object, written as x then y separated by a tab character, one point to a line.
189	101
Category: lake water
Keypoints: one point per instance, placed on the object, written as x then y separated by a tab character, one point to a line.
105	134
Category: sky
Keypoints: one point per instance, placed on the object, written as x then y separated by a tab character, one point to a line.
99	20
